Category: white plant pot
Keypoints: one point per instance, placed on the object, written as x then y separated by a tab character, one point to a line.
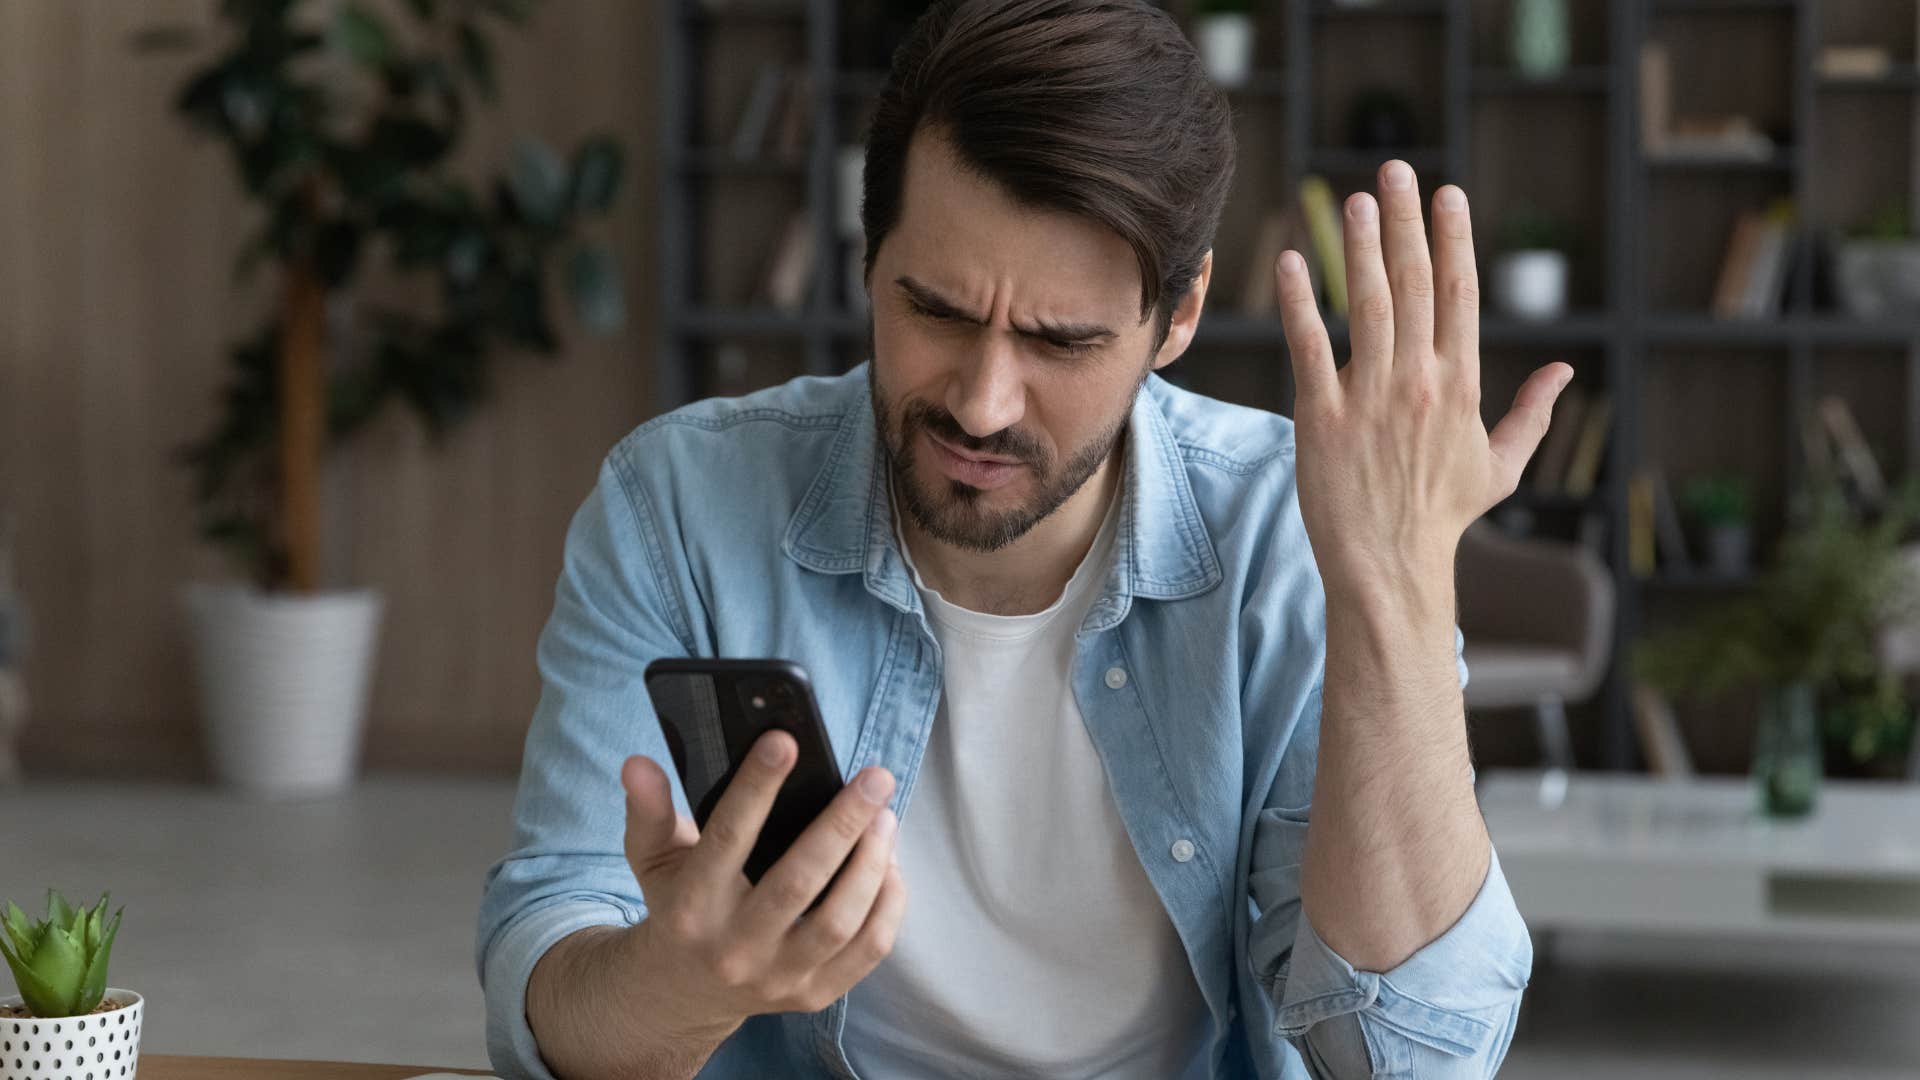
101	1046
1531	284
1225	42
1879	278
283	685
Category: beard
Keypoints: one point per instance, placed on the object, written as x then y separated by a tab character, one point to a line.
950	511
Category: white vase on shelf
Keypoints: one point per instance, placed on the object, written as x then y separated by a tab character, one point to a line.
1225	42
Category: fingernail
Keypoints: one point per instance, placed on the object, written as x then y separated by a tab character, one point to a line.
875	784
769	750
1399	175
1363	209
1291	263
883	823
1453	199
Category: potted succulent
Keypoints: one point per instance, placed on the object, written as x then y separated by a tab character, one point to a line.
1877	266
1720	506
1530	272
1810	630
65	1021
342	120
1223	35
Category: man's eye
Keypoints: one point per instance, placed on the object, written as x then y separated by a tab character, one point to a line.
1073	348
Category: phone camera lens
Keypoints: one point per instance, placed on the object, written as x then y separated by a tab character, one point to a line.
759	702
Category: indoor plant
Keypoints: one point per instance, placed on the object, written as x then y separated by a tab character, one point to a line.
1810	628
342	123
1877	266
66	1020
1530	271
1720	507
1223	35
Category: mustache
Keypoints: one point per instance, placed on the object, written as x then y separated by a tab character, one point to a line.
951	433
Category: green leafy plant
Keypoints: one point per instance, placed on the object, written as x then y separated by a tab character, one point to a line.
1871	723
1528	228
1890	221
60	962
1815	615
1718	499
342	122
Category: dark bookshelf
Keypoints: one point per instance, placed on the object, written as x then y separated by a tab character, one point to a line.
1624	334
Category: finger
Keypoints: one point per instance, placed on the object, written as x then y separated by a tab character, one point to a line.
654	830
875	941
1514	439
791	883
719	861
1456	335
1370	302
1315	378
1409	267
830	927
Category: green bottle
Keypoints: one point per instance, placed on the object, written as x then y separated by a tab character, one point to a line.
1540	42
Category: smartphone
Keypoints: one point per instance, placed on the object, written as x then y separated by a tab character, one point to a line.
713	711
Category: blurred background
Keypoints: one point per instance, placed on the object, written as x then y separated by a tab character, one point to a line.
318	316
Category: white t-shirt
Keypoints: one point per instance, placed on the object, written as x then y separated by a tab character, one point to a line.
1033	943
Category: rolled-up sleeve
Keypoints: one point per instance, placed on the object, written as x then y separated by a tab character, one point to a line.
567	869
1446	1011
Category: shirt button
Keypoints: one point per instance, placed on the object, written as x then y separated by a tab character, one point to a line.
1116	678
1182	850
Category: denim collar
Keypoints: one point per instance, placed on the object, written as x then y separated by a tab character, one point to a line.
844	522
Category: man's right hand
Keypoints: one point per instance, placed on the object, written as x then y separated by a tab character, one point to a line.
717	948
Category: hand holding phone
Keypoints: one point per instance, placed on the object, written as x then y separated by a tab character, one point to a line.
715	947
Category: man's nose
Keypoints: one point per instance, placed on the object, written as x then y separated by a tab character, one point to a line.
987	394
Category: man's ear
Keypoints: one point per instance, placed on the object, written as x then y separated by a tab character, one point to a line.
1186	316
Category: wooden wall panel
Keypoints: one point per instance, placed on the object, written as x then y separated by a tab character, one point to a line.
117	229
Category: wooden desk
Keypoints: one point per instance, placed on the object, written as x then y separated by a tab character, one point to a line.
177	1067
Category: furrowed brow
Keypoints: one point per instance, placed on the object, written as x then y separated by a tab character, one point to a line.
1044	328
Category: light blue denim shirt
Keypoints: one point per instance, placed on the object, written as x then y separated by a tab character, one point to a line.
760	526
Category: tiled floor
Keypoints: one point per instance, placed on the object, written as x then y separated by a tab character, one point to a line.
343	929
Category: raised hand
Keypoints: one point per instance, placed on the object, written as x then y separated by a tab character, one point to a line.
1393	460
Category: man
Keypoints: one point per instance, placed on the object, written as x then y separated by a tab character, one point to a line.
1155	701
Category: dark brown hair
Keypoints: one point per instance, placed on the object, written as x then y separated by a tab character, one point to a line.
1094	107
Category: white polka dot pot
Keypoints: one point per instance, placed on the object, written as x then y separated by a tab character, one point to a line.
103	1046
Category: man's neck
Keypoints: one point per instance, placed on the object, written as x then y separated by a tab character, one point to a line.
1027	575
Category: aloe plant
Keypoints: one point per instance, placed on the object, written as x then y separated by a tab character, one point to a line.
60	963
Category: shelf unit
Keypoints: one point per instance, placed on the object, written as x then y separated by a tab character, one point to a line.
1625	338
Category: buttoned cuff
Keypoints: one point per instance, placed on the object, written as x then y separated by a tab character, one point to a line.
1448	995
509	965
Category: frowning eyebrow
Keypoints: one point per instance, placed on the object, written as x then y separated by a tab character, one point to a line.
935	304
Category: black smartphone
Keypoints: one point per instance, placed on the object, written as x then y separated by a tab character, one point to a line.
712	712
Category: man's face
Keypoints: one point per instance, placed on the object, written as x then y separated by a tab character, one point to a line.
1007	348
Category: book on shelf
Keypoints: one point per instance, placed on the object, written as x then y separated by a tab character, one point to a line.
1753	274
1556	450
1323	224
1734	137
1853	61
1584	469
1858	470
1640	539
791	266
1280	231
756	116
1656	94
1670	539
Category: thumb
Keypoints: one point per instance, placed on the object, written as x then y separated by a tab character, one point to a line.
654	830
1514	439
